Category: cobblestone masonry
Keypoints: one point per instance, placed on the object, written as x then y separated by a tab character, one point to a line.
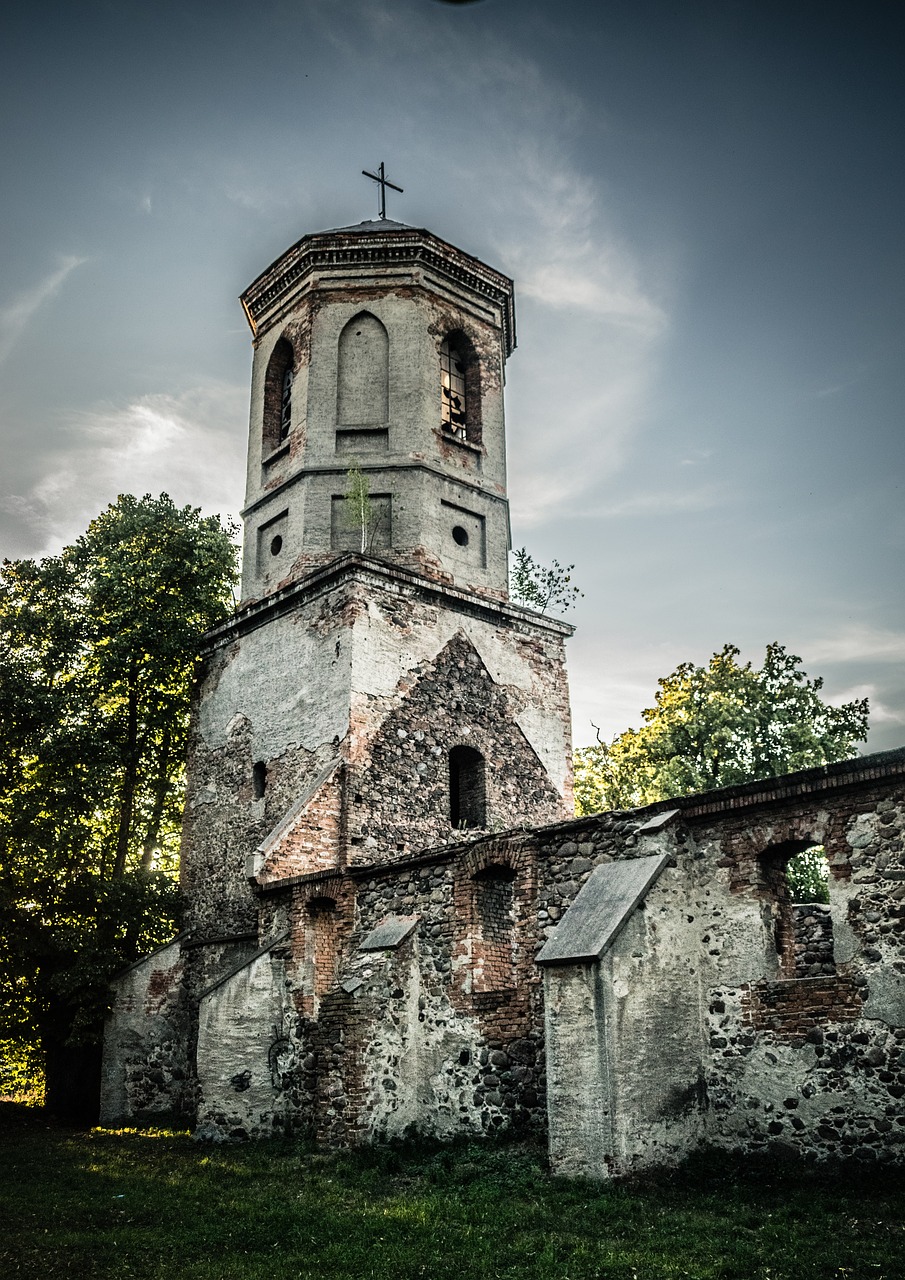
358	707
701	1037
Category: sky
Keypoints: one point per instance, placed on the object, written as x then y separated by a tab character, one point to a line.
702	206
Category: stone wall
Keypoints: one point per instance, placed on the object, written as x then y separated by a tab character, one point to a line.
289	775
708	968
145	1071
812	929
689	1030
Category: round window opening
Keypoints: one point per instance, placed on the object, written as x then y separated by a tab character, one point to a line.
460	535
276	545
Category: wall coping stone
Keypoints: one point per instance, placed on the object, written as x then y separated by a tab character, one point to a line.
706	804
389	934
601	910
237	968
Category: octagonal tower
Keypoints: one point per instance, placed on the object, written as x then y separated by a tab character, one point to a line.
378	347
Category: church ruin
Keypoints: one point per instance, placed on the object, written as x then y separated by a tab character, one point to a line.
394	924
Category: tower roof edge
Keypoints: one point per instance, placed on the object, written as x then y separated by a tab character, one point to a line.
376	243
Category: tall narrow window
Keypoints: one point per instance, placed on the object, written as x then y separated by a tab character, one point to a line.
494	935
278	396
796	874
467	788
286	406
807	877
323	944
460	388
453	389
362	375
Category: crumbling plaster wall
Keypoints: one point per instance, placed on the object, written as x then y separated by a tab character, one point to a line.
248	1043
145	1073
400	629
401	781
818	1064
257	701
394	662
691	1032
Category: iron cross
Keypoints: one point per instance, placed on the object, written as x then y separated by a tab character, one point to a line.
383	182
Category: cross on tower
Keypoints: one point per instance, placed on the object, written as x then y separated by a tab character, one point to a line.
383	182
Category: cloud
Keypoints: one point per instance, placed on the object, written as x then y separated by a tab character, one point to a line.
661	503
569	257
191	446
858	642
593	307
881	713
593	334
16	316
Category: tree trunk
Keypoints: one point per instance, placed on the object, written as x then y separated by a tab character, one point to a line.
130	777
160	799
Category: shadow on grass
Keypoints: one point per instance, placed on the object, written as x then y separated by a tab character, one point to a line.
155	1204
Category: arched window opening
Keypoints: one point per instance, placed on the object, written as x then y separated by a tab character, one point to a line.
494	932
467	788
797	876
362	374
323	923
278	396
460	389
259	779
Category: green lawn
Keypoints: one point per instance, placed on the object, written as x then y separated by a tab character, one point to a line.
162	1207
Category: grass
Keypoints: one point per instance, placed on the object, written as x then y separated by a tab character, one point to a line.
158	1206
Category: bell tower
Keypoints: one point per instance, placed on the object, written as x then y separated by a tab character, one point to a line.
376	694
378	348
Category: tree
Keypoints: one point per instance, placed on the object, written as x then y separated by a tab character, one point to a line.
807	876
717	726
358	512
539	587
97	654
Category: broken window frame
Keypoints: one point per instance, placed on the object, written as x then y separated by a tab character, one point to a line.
286	405
453	389
276	422
774	863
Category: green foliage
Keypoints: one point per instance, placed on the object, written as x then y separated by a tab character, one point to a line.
358	511
158	1205
21	1073
97	654
808	875
541	588
718	726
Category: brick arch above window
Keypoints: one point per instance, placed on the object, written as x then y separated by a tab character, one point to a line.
511	854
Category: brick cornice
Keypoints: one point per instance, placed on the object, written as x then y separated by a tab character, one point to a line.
391	247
